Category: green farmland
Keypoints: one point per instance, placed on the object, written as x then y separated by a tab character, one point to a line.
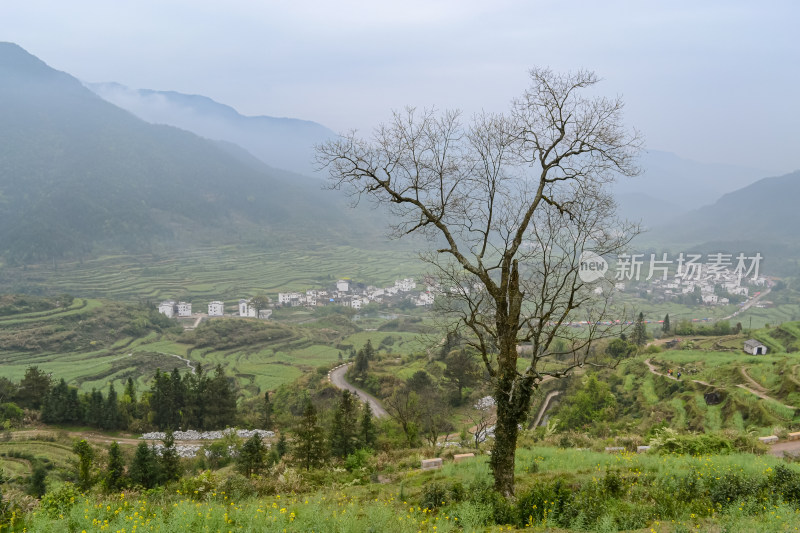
203	274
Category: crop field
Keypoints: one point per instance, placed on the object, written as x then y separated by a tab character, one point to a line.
204	274
59	454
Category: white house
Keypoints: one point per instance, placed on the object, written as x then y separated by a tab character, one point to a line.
342	285
249	310
426	298
754	347
216	308
184	309
710	298
167	308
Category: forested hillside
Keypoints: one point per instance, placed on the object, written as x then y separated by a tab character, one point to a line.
79	176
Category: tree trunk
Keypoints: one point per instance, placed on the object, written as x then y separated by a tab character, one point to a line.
505	441
512	398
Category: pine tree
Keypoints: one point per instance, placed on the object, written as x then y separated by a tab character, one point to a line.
369	351
251	456
267	423
310	442
116	468
37	484
665	328
85	455
144	467
170	462
344	429
130	390
367	431
362	364
111	415
94	409
282	446
639	335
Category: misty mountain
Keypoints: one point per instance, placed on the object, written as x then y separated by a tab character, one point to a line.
762	216
79	175
670	186
285	143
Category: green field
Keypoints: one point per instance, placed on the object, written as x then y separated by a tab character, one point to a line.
203	274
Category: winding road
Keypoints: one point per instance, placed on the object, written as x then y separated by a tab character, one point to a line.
336	377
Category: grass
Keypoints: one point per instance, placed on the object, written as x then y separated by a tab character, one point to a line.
656	492
204	274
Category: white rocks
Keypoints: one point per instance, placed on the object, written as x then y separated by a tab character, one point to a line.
772	439
191	434
485	403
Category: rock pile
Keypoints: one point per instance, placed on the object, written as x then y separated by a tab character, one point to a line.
191	434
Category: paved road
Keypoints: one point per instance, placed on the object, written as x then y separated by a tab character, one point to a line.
336	376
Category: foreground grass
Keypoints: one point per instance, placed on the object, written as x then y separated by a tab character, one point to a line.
558	490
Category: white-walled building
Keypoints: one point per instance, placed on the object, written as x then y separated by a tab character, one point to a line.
216	308
184	309
247	309
167	308
342	285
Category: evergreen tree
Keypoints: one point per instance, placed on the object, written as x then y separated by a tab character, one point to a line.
639	335
361	365
344	429
251	456
220	412
37	484
282	446
367	432
369	351
461	370
115	471
665	327
160	392
267	422
33	388
144	467
130	390
94	409
169	462
85	455
111	414
310	442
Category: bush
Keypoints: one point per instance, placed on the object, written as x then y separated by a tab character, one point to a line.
59	500
357	460
434	495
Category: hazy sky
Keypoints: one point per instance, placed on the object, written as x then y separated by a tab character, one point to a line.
714	81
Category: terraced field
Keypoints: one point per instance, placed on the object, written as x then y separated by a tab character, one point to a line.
260	355
203	274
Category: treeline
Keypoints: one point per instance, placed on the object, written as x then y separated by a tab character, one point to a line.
194	400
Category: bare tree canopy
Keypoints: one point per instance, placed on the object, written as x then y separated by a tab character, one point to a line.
511	201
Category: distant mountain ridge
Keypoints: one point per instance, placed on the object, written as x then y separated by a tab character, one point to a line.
761	217
285	143
79	176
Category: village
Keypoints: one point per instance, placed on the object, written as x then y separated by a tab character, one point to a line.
710	283
344	293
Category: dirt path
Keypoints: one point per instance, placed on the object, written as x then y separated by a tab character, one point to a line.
755	384
788	447
764	396
653	370
761	394
336	377
187	361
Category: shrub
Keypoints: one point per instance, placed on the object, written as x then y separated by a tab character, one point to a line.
434	495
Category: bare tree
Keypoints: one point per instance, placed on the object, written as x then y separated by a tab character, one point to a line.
511	202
